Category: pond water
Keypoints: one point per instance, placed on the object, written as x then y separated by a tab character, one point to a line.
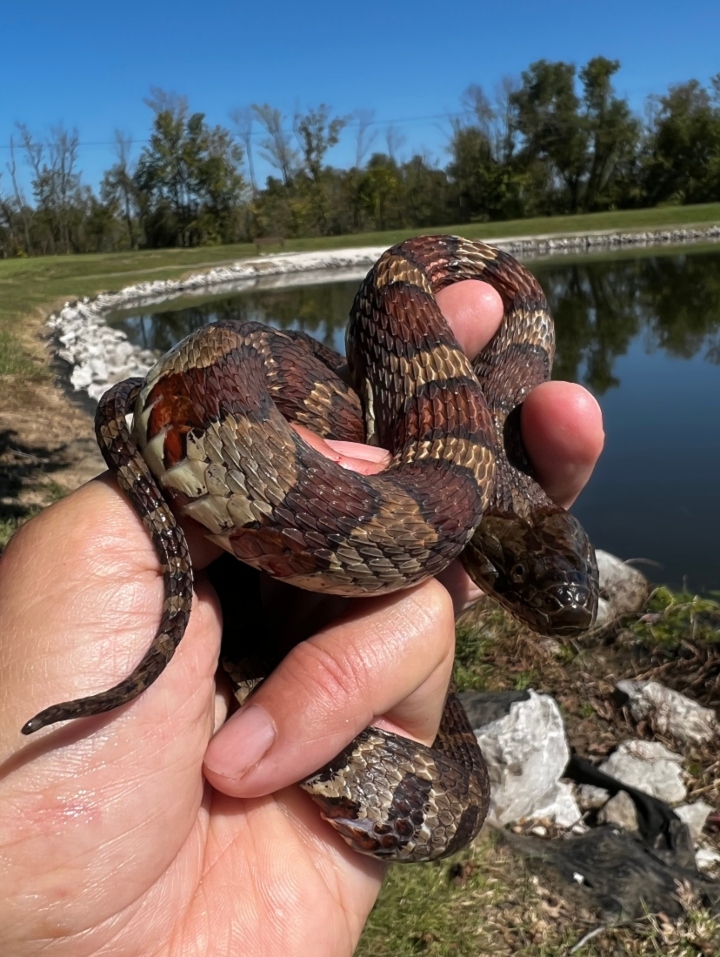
642	332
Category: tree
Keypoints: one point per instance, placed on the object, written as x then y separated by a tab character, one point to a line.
316	133
275	147
577	152
395	141
613	136
365	137
554	141
243	118
481	188
188	180
682	151
118	186
55	184
424	193
17	207
379	190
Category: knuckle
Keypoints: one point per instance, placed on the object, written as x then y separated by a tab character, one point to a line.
331	679
432	612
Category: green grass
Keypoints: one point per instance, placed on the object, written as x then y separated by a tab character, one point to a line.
675	617
487	902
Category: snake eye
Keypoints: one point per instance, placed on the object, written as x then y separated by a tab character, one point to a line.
518	573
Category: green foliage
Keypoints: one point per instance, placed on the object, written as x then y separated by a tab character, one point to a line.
675	617
559	141
682	153
422	911
188	183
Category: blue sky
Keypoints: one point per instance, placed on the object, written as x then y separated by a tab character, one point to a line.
90	64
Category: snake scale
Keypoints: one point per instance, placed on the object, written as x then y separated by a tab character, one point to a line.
211	440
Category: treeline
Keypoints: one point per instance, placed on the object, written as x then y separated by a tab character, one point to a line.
558	140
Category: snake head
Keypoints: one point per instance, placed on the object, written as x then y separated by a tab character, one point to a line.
542	569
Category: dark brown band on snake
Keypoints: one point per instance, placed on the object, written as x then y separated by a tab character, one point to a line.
211	438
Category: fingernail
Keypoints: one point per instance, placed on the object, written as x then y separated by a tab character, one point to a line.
242	742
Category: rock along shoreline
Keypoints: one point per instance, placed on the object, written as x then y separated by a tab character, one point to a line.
99	355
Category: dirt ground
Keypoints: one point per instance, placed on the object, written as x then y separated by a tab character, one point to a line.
47	439
47	448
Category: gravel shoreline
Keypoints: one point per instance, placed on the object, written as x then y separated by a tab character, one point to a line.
98	355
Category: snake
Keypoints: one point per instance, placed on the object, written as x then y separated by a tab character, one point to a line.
212	440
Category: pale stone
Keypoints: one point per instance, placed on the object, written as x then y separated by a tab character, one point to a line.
669	711
620	810
526	752
694	817
591	797
648	766
707	858
624	589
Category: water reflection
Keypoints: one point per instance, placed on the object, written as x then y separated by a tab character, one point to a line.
643	333
601	307
321	311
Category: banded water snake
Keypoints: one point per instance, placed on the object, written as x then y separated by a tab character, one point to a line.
211	441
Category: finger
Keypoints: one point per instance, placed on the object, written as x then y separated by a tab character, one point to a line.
474	310
366	459
563	433
462	589
561	422
391	657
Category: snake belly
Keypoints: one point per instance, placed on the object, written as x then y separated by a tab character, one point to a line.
211	440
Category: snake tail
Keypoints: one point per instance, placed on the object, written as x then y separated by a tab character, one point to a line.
136	480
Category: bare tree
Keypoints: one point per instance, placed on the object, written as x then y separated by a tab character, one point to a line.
276	147
55	180
7	216
63	152
243	118
118	185
365	136
504	140
20	200
478	106
34	153
316	133
166	101
395	140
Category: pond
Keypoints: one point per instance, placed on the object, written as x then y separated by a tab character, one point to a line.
642	332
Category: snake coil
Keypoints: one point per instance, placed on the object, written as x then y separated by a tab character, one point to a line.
211	441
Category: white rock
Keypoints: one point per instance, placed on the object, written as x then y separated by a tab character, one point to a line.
648	766
563	809
591	797
669	711
694	816
707	858
526	752
624	589
620	810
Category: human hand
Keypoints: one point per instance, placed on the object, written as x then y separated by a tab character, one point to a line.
110	837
